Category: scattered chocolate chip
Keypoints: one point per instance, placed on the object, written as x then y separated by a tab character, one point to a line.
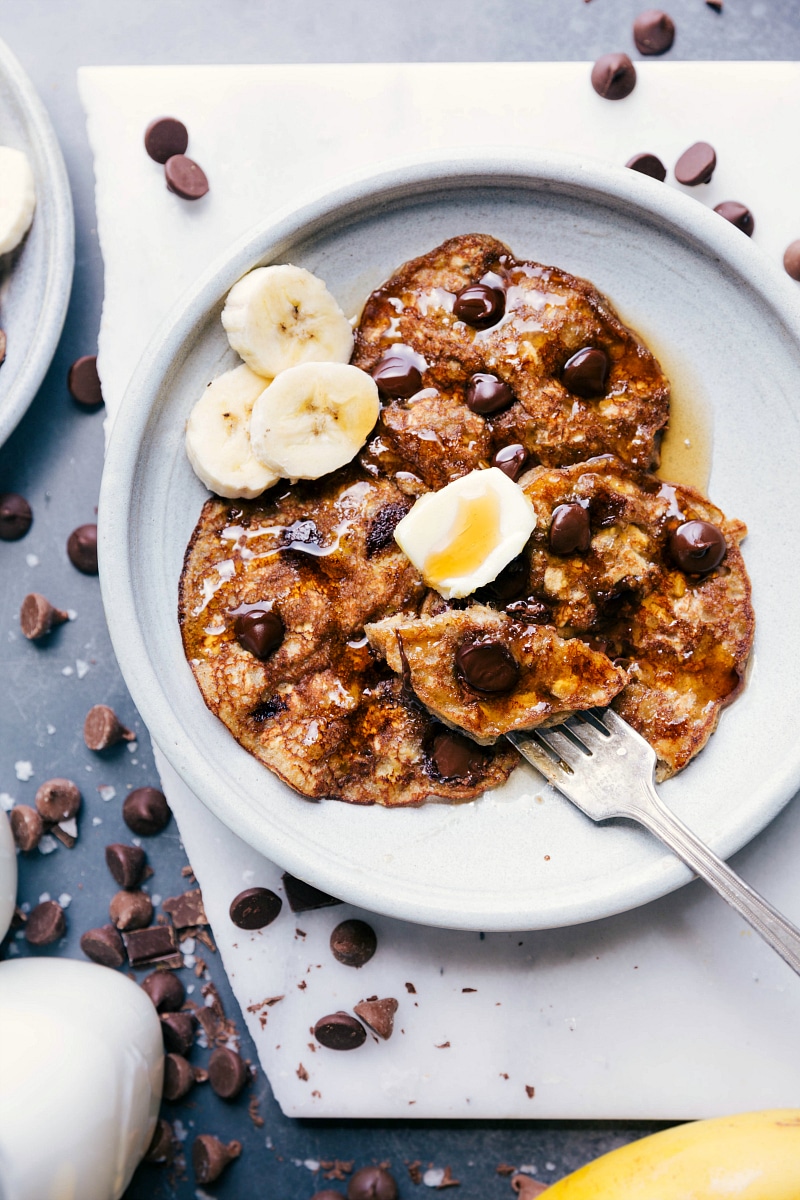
46	923
353	943
185	177
570	530
328	1194
145	811
340	1031
126	863
131	910
104	945
162	1148
791	259
585	373
260	632
648	164
717	5
372	1183
487	394
613	76
255	908
27	827
38	617
15	516
527	1188
378	1015
102	728
480	305
165	990
399	372
210	1157
487	666
58	800
511	460
178	1077
227	1072
303	897
653	32
696	165
3	344
697	547
148	945
186	909
454	756
177	1029
164	137
83	382
738	215
82	549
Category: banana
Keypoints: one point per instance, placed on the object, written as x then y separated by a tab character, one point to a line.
278	317
313	418
750	1156
17	198
218	436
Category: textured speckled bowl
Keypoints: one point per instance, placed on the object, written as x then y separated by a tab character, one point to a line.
36	278
727	327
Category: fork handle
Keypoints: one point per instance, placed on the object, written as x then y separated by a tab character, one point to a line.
767	921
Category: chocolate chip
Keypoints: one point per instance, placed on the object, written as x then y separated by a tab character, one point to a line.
185	177
696	165
58	800
126	863
210	1157
46	923
488	666
83	382
738	215
454	756
353	943
791	259
165	990
303	897
480	306
613	76
255	908
586	373
38	617
340	1031
717	5
531	611
145	811
372	1183
15	516
487	394
511	460
186	910
399	372
162	1148
131	910
227	1072
102	728
148	945
653	32
697	547
378	1015
104	945
511	583
27	827
177	1030
648	164
259	631
164	137
3	344
383	524
82	549
328	1194
178	1077
570	530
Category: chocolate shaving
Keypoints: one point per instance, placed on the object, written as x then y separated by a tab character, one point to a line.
447	1180
530	1090
301	1073
186	909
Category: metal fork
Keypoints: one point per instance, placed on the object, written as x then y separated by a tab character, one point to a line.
607	769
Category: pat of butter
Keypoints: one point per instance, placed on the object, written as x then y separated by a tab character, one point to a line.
462	536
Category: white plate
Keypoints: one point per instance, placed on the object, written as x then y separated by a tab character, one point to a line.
35	280
725	323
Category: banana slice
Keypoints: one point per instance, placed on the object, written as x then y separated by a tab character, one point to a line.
218	437
17	198
278	317
313	418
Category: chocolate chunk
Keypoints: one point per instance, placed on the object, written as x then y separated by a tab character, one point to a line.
255	908
164	137
58	800
697	547
15	516
259	631
653	32
378	1015
372	1183
210	1157
178	1077
126	863
487	394
531	611
480	306
353	943
791	259
102	728
696	165
613	76
454	756
104	945
488	666
165	990
82	549
570	531
148	945
46	923
185	177
511	460
177	1029
303	897
145	811
648	164
38	617
27	827
84	382
586	373
383	524
399	372
227	1072
186	909
162	1148
340	1031
738	215
511	583
131	910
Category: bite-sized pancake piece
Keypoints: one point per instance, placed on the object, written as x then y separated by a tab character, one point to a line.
562	409
297	574
484	673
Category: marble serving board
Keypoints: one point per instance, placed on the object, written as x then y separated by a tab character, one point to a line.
675	1010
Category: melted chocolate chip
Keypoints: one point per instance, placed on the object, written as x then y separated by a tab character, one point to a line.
15	516
340	1031
570	531
480	306
613	76
487	666
454	756
487	394
510	584
185	177
353	943
259	631
531	611
653	32
82	549
696	165
697	547
164	137
585	374
83	382
398	373
268	709
648	164
383	524
511	460
738	215
255	908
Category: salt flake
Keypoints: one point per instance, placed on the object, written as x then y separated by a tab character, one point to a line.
23	770
81	667
6	801
106	792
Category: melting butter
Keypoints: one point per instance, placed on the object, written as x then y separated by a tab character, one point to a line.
474	534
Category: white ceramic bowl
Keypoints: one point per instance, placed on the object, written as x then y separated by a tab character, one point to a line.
727	327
